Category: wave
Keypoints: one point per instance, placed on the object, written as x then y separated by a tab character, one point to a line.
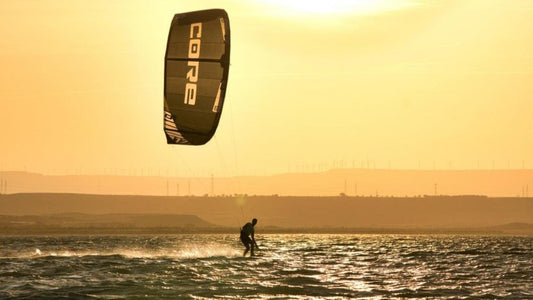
187	251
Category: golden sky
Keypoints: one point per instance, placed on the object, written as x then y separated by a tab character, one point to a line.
405	84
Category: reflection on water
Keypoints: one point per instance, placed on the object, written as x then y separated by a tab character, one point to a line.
287	266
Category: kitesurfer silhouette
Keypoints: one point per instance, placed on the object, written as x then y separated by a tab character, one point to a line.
247	237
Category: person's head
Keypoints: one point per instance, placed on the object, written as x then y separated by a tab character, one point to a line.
254	221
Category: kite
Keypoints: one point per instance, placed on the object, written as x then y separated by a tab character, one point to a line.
196	75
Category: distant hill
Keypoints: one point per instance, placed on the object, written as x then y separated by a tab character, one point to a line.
273	211
105	220
77	223
523	228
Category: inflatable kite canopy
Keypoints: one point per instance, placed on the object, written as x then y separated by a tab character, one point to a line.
196	75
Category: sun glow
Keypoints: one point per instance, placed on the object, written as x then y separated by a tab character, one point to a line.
328	7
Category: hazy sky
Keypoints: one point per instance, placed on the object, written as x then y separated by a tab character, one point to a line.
406	84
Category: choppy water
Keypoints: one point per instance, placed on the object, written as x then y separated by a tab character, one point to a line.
289	266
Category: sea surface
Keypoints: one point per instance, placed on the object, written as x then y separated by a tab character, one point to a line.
308	266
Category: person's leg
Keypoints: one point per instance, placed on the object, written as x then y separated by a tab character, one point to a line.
244	242
247	249
252	251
